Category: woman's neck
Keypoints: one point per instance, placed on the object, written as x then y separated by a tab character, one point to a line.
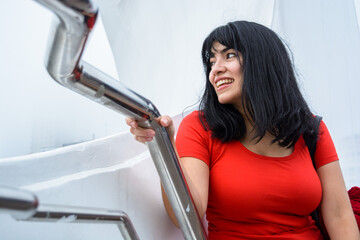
266	145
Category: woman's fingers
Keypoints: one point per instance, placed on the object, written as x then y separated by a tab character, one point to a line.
167	122
141	134
131	122
147	134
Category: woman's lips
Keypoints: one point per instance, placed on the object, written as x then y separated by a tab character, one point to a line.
223	83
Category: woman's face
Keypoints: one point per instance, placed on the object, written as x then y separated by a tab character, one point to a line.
226	75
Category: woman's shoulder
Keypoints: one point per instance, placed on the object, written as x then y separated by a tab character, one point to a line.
325	147
193	114
194	120
193	117
323	132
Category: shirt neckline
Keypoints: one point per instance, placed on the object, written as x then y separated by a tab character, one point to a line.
249	152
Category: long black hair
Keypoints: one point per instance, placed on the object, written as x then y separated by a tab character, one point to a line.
270	93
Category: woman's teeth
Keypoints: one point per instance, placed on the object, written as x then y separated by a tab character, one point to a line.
223	81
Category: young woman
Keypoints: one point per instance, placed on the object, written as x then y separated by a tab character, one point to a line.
243	152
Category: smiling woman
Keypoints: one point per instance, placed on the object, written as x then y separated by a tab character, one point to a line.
267	90
243	152
226	74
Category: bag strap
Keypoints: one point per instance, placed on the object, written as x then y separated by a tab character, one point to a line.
310	142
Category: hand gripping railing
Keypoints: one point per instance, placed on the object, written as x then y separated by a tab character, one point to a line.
74	23
23	205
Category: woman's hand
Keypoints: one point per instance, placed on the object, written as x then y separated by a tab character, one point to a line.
195	170
147	134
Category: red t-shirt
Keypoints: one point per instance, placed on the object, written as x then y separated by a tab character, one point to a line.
253	196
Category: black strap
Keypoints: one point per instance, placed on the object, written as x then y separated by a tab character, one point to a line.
311	144
312	140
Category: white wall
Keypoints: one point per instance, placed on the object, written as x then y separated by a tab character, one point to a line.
97	174
325	39
36	113
112	173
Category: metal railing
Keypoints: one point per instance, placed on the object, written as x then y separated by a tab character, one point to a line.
23	205
75	19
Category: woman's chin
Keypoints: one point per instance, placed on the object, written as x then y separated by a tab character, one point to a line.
223	99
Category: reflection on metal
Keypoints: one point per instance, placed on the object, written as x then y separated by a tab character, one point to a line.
23	205
19	204
71	29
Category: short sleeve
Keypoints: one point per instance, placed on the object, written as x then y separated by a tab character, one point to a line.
325	148
192	140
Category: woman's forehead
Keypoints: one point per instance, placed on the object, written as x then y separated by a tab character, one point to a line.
218	47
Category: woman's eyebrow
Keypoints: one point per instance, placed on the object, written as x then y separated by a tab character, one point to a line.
225	50
213	50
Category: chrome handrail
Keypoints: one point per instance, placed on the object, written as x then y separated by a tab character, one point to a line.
24	205
17	203
75	20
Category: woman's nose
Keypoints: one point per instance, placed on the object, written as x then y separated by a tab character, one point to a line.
218	68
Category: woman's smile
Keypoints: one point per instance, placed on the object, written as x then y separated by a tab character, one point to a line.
226	74
222	83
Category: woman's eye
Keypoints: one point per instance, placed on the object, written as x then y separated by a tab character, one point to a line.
230	55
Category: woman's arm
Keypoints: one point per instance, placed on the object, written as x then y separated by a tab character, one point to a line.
196	172
197	178
336	208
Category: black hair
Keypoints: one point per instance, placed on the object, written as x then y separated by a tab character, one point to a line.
270	93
